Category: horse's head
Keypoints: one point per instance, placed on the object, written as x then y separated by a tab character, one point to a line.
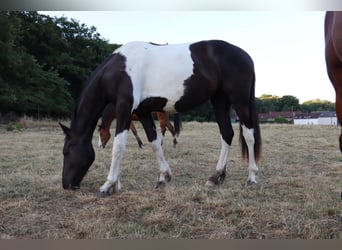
78	156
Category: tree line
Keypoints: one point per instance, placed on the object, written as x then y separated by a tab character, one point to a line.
271	103
265	104
45	61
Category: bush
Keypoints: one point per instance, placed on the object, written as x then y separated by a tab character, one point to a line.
10	126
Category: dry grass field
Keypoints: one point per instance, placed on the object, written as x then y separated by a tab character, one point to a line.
298	194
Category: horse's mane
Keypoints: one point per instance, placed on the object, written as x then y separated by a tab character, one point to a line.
94	76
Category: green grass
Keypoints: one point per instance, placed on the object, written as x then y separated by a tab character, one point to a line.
297	195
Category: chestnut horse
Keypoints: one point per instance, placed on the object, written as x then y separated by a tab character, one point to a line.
140	77
333	58
109	114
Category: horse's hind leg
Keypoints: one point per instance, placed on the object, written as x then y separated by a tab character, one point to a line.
222	114
248	135
150	129
135	133
169	126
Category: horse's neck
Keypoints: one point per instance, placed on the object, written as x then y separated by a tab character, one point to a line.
88	112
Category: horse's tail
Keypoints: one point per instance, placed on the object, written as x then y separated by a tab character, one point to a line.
177	123
253	116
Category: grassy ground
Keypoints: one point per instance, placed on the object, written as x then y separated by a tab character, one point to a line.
297	196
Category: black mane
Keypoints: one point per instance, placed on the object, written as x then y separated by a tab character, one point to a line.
92	78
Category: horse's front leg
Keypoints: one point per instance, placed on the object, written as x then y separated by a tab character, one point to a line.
112	183
150	130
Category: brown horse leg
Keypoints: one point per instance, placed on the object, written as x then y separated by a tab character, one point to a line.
162	122
172	131
135	133
165	123
108	115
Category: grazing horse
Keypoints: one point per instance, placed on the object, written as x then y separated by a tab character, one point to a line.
141	77
333	57
109	114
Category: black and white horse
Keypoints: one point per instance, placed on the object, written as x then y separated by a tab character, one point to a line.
141	77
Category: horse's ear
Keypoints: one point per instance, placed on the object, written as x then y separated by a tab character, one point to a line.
65	129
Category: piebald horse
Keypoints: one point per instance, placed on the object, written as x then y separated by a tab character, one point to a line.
108	115
142	77
333	57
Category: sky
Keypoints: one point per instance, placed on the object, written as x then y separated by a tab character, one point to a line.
287	47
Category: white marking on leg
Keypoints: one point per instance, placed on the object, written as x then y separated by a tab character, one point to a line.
222	162
163	165
119	146
100	142
221	165
248	134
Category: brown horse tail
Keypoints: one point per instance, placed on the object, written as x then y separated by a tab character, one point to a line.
253	115
177	123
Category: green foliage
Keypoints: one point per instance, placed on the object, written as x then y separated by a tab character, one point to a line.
44	62
281	120
10	126
270	103
202	113
317	105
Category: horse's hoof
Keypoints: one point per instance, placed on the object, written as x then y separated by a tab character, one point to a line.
174	143
209	183
251	183
160	185
102	194
216	179
168	177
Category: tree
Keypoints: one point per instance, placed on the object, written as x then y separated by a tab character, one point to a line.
267	103
25	86
317	105
288	103
270	103
44	62
71	49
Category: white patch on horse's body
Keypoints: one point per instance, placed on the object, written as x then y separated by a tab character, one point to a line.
157	71
248	134
221	164
119	146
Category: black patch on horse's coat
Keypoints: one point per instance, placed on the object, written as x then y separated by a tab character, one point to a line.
151	104
108	83
159	44
144	112
118	87
203	83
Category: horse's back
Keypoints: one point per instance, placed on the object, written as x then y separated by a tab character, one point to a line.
157	70
185	75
